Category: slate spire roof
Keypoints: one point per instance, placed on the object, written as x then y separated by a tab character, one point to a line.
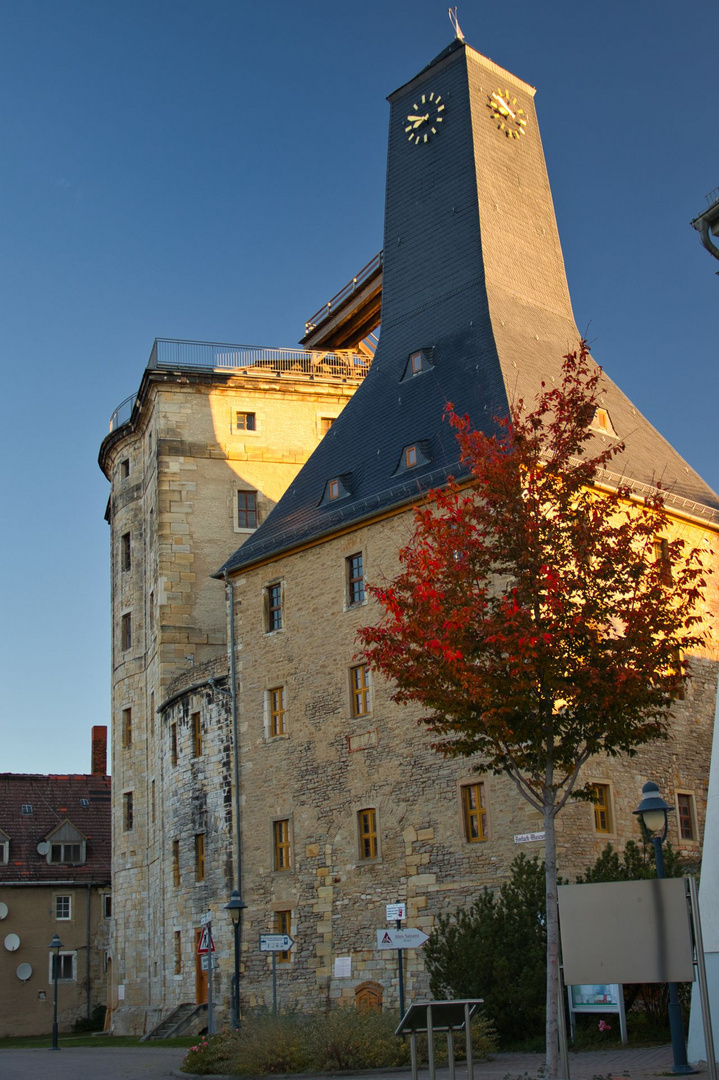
474	275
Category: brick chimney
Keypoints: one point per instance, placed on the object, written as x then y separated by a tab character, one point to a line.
99	750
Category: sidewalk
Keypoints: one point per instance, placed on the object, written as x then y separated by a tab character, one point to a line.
622	1064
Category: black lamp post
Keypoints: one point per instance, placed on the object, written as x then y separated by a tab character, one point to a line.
55	944
235	908
652	813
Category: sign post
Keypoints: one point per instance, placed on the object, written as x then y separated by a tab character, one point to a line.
274	943
205	949
398	911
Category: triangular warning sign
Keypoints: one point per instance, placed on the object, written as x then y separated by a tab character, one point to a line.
387	939
204	943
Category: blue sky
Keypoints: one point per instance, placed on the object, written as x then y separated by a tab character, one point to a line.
214	170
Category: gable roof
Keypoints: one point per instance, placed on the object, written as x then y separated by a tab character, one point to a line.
473	270
54	801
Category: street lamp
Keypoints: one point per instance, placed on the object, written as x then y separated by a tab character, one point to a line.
235	908
652	813
55	944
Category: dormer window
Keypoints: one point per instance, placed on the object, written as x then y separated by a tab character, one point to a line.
417	362
26	808
413	456
4	848
335	489
602	422
67	845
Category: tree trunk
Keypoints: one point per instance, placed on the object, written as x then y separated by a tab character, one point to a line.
553	1003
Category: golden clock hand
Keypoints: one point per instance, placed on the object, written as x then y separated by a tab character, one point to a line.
504	105
419	119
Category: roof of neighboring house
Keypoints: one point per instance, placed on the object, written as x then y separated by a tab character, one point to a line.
48	803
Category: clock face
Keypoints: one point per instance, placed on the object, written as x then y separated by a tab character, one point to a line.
511	119
425	119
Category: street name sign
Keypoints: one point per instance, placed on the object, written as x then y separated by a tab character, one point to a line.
204	919
275	942
528	837
408	938
396	911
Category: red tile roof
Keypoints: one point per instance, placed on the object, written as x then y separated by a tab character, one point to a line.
54	800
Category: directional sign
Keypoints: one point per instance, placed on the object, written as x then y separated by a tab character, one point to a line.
410	938
396	911
275	942
206	943
204	919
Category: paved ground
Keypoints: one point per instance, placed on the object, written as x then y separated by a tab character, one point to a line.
156	1063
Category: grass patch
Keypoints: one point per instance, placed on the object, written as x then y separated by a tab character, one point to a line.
39	1042
342	1039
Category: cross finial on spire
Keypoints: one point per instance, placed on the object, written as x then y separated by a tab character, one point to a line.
452	12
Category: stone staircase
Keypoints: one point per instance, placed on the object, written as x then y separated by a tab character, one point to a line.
176	1022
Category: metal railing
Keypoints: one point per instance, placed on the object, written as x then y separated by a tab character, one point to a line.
351	287
175	355
713	197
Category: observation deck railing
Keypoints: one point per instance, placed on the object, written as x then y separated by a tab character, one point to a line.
351	287
174	355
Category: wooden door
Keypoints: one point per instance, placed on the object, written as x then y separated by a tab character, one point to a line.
200	975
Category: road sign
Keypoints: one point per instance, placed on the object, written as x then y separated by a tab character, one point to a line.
204	919
409	938
205	961
528	837
206	943
275	942
396	911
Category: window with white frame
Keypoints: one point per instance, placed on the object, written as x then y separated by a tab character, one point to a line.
63	907
4	848
66	966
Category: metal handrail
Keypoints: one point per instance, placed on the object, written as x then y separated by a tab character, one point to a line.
174	354
357	282
713	197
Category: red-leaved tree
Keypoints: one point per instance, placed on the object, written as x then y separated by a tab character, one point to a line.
540	616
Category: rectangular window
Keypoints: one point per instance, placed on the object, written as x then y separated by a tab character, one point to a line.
283	925
246	509
127	727
176	863
4	851
173	744
410	457
126	632
474	812
661	556
152	800
178	952
360	690
686	818
124	468
65	964
245	421
63	907
602	808
126	551
273	595
107	905
282	846
355	579
127	811
326	423
678	691
415	361
200	857
276	702
196	735
334	490
66	853
368	834
151	610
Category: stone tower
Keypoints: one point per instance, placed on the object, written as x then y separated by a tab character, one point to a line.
196	461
